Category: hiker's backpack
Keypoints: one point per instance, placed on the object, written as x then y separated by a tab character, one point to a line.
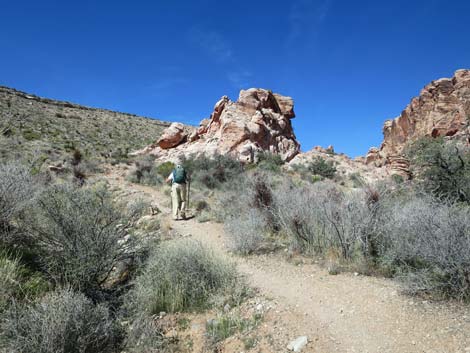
179	175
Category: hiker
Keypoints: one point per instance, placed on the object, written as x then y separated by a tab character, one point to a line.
178	179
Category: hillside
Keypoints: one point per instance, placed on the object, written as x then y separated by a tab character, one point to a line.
35	128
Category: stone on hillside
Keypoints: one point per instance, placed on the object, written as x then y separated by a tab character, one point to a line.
172	136
297	344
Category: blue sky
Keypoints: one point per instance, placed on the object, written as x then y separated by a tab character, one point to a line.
349	65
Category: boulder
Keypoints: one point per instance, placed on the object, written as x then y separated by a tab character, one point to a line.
172	136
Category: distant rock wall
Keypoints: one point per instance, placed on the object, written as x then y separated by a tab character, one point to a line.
441	109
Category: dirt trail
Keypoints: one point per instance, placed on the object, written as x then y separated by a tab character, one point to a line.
342	313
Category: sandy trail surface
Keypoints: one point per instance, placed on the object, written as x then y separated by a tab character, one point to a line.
341	313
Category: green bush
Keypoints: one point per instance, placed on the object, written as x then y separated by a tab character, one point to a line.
18	282
181	275
441	167
10	273
164	169
223	327
320	166
146	172
63	321
270	162
212	172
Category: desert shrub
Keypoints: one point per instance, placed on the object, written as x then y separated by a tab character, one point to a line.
10	273
270	161
17	188
227	325
136	208
322	217
247	211
320	166
145	172
181	275
212	172
119	155
164	169
429	242
79	234
441	167
63	321
145	336
357	180
246	232
76	157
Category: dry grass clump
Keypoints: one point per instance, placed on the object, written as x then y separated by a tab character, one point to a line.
181	275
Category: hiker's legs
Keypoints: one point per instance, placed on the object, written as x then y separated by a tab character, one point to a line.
183	200
175	200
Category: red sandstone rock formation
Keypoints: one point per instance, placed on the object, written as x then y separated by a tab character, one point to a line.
441	109
258	121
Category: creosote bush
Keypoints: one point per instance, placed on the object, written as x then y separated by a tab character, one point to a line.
62	321
181	275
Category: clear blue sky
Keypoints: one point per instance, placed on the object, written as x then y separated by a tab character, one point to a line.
349	65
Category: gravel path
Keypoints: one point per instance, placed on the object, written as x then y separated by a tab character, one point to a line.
342	313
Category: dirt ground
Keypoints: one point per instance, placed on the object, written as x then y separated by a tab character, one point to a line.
338	313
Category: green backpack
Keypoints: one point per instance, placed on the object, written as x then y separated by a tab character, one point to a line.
179	175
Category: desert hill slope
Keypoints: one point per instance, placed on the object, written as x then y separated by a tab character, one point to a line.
38	128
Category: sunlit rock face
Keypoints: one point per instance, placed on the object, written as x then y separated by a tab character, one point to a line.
258	121
441	109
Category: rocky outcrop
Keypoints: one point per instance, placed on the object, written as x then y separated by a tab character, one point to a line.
441	109
172	136
258	121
